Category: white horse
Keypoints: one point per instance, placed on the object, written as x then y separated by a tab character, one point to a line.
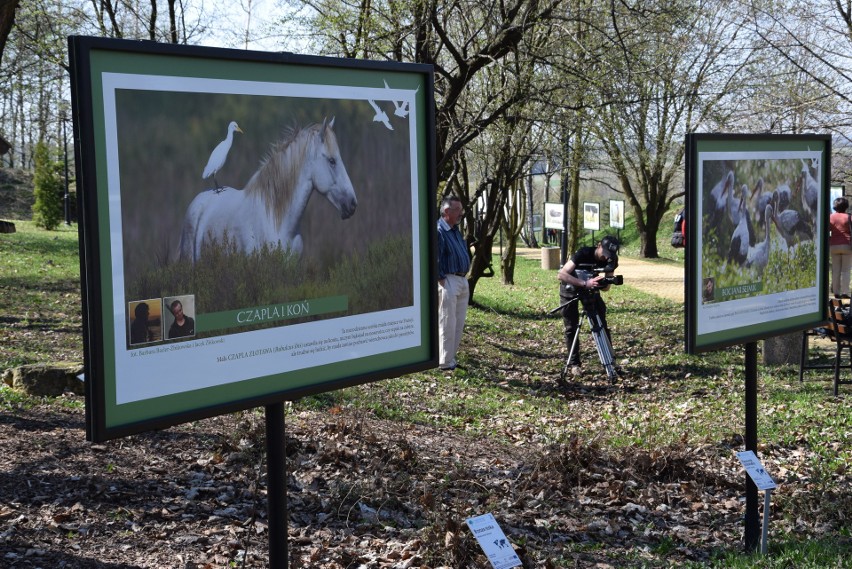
269	209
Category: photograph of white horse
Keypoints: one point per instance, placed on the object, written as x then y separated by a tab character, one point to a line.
269	209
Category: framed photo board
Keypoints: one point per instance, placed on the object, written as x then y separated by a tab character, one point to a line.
757	211
616	214
254	227
553	213
592	216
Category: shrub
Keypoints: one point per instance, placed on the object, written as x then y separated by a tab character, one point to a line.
47	182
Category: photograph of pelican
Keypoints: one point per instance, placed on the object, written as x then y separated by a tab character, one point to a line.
759	223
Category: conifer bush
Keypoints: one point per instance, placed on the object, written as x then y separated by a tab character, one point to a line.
47	182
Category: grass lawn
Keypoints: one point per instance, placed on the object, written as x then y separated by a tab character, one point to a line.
645	468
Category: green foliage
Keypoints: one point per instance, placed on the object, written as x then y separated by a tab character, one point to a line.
12	399
377	279
226	279
785	552
47	181
787	269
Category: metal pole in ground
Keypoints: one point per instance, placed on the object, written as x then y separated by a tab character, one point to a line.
752	517
276	486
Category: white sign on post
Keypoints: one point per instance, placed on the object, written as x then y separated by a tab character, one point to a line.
756	471
763	482
493	542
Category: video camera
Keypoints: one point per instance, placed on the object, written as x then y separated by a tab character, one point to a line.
586	272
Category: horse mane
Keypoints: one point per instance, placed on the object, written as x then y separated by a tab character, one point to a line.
276	178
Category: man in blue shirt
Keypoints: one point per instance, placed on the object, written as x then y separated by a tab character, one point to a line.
453	290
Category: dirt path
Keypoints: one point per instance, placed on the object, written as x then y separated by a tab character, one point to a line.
654	278
664	280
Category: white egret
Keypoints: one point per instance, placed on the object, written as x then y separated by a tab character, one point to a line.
219	155
380	116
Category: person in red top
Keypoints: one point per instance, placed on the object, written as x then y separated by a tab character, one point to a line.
840	245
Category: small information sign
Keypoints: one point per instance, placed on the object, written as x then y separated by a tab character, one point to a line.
493	542
756	471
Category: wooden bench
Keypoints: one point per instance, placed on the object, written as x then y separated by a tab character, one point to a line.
840	335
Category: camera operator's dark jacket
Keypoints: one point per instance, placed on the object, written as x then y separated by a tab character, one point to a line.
583	256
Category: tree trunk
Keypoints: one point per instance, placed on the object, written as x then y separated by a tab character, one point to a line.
481	264
531	237
574	210
7	21
513	221
480	233
507	263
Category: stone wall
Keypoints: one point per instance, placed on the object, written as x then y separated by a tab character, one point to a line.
46	379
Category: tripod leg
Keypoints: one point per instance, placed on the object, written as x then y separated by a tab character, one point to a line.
603	346
571	351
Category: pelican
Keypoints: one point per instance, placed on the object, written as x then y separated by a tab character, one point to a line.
219	155
717	200
743	236
400	109
381	116
792	227
758	256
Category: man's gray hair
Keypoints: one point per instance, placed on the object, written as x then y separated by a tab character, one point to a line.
447	202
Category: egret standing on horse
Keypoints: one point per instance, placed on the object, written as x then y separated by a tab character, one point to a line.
269	209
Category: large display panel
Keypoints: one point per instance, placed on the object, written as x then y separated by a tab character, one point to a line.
254	227
757	256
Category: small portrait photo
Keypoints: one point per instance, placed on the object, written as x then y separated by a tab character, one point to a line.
179	314
708	292
145	322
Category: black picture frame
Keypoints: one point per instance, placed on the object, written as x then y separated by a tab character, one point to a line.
733	294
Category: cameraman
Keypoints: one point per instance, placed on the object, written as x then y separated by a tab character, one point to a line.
603	257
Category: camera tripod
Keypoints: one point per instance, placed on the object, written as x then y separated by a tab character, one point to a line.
590	313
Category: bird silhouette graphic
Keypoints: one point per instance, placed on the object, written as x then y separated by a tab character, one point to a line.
400	109
219	155
380	116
